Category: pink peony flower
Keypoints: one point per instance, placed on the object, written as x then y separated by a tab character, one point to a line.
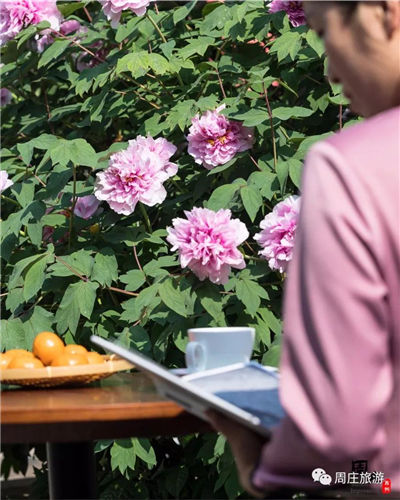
137	174
278	231
86	206
18	14
113	8
70	26
5	182
207	241
5	97
214	140
293	8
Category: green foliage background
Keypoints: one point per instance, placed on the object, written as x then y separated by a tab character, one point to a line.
60	129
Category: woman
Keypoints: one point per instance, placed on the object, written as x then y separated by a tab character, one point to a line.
340	364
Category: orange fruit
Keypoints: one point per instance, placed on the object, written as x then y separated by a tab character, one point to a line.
94	358
47	346
75	349
66	359
25	362
4	361
13	353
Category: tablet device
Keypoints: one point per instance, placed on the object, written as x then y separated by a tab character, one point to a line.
245	392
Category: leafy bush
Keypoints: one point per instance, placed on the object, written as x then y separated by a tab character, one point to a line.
82	99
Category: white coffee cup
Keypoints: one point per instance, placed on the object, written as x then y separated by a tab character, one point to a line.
214	347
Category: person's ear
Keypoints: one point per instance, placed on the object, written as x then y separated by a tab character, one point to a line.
392	16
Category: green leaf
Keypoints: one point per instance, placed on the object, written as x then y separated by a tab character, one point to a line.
271	320
252	117
134	279
105	268
53	51
81	261
125	30
61	152
172	298
25	150
196	46
288	43
182	12
225	166
272	356
339	99
295	169
35	321
25	34
315	42
282	171
264	182
92	77
292	112
144	451
222	196
211	300
62	111
249	292
35	276
232	485
35	233
167	48
252	201
44	141
69	8
14	299
180	114
158	63
137	63
13	335
308	142
78	299
20	267
136	337
176	480
24	192
123	455
78	151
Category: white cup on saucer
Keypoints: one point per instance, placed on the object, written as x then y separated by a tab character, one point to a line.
215	347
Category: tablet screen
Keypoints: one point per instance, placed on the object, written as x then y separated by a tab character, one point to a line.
249	387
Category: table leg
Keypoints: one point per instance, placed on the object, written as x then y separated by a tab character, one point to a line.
72	470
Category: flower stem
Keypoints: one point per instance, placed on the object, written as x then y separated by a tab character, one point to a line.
156	27
251	257
4	197
271	123
71	217
220	83
165	41
146	217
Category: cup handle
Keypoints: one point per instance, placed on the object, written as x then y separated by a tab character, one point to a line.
195	356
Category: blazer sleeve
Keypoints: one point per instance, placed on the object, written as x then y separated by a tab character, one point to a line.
336	371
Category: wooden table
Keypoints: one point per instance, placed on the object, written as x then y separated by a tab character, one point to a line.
68	420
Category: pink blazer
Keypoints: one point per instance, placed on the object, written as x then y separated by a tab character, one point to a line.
341	350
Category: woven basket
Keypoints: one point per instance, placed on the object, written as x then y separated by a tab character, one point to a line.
52	376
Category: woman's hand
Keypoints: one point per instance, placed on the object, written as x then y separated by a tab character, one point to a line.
246	447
